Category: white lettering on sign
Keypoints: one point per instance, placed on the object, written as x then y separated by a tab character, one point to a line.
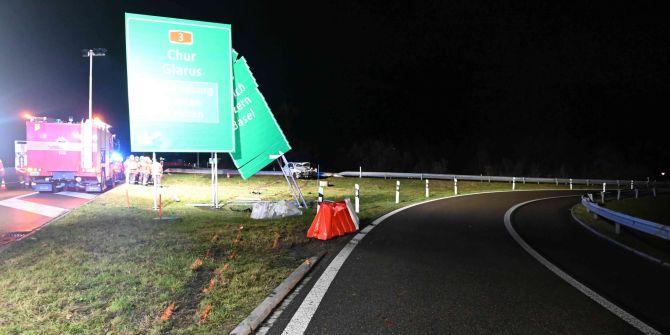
176	55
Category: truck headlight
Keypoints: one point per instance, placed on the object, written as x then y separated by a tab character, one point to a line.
78	179
47	179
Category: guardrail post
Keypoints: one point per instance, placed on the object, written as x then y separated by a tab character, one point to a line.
357	198
570	183
617	228
618	194
654	191
427	189
524	180
513	183
455	186
556	182
637	193
617	183
397	191
587	183
489	179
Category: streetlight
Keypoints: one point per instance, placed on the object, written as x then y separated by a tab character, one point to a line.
90	53
87	159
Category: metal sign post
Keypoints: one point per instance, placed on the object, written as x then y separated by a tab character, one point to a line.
214	163
153	157
290	180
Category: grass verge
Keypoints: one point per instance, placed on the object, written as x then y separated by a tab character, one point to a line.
108	269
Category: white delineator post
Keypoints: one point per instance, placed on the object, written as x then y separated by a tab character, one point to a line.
427	189
570	183
319	200
513	183
618	194
360	172
397	191
654	191
637	193
603	193
455	186
632	184
357	198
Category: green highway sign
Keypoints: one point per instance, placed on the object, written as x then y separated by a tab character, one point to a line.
257	133
180	85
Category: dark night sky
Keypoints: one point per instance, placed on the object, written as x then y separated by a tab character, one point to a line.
447	86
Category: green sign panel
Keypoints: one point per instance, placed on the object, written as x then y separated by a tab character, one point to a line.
258	136
180	85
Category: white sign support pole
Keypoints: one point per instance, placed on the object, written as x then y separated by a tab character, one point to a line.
153	157
216	180
357	198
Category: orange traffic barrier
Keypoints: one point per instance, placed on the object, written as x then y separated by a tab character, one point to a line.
3	186
333	219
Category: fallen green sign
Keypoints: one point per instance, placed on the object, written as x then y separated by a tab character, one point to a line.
258	136
180	85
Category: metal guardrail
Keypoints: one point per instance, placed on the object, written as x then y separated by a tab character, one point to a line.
565	181
624	184
645	226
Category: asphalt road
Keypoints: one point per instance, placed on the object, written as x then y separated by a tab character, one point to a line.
23	211
451	267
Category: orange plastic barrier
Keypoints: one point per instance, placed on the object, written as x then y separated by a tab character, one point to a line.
332	220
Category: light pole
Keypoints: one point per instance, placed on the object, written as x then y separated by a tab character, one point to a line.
90	53
87	159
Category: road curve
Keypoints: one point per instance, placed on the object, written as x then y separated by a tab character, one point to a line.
631	282
450	266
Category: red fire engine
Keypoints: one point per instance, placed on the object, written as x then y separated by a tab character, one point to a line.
65	155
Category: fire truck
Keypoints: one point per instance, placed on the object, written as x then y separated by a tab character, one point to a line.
60	155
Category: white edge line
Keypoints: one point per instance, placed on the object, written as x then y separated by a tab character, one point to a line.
310	304
614	309
617	243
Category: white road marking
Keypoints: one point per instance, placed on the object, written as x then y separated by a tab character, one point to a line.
616	310
32	207
78	195
267	324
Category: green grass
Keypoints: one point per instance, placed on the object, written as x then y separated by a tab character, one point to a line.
653	209
647	244
108	269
